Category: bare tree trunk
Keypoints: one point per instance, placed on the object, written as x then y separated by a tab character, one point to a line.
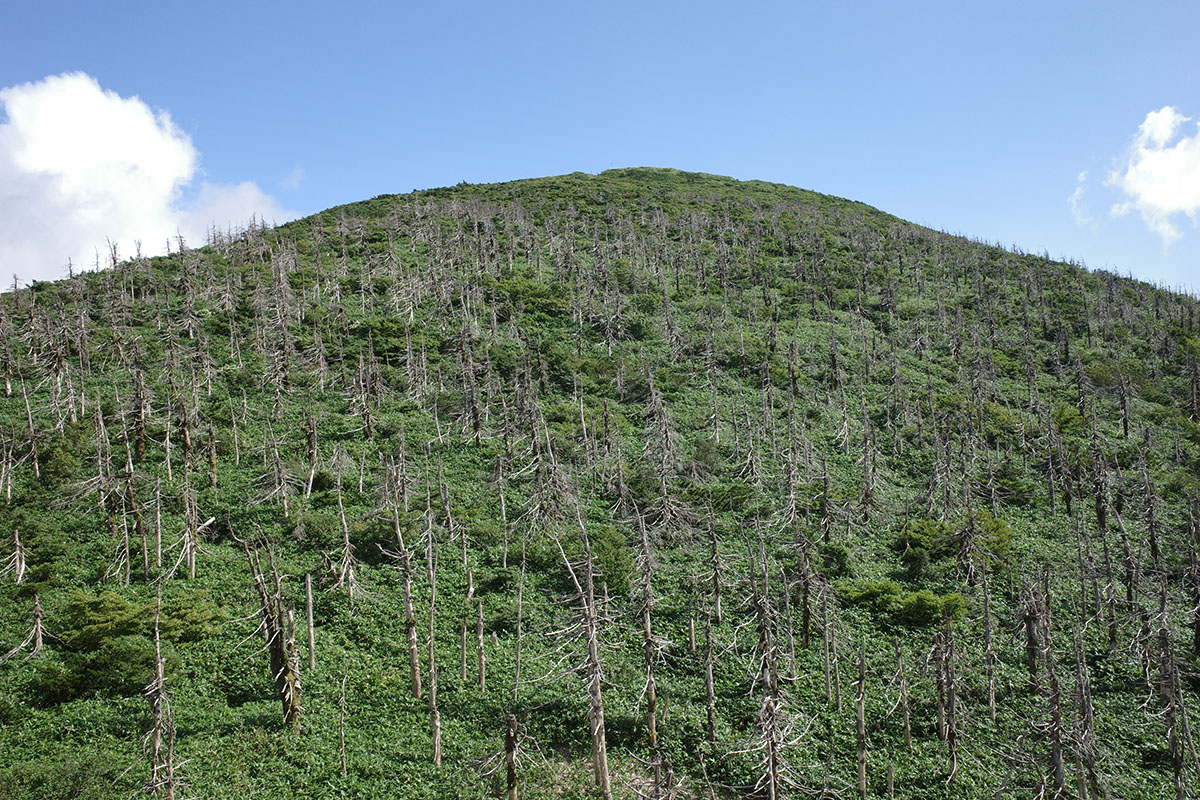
435	717
161	739
989	653
520	623
649	649
510	757
1055	731
593	667
347	566
827	647
342	719
410	620
38	632
716	567
860	723
1168	691
710	695
279	631
595	679
33	450
939	663
1086	737
951	700
904	698
158	524
17	560
1030	615
479	647
787	606
308	613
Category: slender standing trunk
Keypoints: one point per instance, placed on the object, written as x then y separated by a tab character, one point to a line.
308	613
951	700
510	757
482	659
860	721
904	709
410	620
342	719
435	717
462	650
595	680
710	695
989	653
520	626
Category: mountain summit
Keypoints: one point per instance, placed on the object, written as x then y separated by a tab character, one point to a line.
646	483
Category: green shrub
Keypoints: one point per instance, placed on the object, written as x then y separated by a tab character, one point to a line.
890	604
614	559
1067	419
878	595
835	560
60	457
915	564
107	643
917	609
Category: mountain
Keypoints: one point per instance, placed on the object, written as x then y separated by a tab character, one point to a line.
640	482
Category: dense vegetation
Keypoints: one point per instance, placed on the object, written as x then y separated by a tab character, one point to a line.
644	482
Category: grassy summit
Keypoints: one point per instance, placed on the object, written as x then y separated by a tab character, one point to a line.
793	495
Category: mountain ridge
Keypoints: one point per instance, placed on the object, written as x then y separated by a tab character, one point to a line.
670	483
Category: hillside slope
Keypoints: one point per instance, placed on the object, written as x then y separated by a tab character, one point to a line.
694	487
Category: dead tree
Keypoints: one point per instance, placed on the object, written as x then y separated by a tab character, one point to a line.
902	700
774	724
662	451
193	529
715	565
33	436
710	695
347	566
650	650
520	624
510	757
1174	712
342	718
36	636
279	630
582	574
404	556
435	716
1030	620
860	721
160	740
308	614
481	658
16	562
1055	731
989	651
951	698
1090	787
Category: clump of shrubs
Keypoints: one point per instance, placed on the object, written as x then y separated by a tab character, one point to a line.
889	601
105	642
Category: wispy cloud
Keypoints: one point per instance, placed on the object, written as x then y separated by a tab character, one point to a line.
1160	180
1079	209
293	179
81	166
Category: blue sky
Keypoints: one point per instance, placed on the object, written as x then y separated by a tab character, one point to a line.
1016	123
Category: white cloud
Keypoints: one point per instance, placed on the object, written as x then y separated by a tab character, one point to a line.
1079	210
228	207
80	166
1160	180
293	179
